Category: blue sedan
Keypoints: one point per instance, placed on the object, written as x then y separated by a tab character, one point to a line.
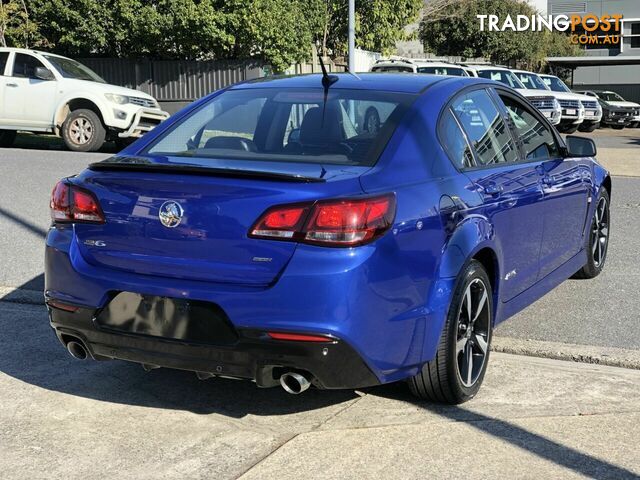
271	231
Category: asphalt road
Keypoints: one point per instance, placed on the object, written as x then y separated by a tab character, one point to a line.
602	312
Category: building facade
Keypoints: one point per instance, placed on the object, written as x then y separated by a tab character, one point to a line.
624	79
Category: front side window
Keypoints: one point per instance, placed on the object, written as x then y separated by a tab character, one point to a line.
4	56
487	132
295	125
25	65
71	69
537	139
502	76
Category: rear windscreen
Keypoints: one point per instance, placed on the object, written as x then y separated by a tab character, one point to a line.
300	125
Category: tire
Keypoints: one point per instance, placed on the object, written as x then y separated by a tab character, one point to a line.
617	127
570	130
590	128
441	379
597	241
83	131
7	137
372	121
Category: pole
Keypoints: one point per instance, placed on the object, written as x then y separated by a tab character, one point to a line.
352	35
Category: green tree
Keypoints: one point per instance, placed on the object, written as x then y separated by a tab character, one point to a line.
379	23
457	33
273	30
16	28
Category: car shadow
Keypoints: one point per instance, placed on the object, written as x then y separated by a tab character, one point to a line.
530	442
31	353
30	141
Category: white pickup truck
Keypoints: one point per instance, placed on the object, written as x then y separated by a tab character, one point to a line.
43	92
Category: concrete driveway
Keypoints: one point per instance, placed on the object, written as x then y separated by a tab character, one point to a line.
534	418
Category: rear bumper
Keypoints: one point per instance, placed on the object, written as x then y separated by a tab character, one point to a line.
365	298
254	355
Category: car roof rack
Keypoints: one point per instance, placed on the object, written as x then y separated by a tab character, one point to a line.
395	59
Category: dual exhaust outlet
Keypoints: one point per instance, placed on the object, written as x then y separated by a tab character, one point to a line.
292	382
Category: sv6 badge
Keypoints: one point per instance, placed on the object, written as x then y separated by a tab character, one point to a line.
95	243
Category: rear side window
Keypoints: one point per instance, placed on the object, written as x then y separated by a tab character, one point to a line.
485	128
536	137
393	69
454	141
298	125
452	71
3	61
25	65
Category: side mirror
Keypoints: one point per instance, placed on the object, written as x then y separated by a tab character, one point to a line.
42	73
580	147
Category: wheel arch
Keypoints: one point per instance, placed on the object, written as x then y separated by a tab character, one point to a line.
74	103
606	183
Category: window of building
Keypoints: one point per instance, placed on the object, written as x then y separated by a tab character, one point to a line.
635	35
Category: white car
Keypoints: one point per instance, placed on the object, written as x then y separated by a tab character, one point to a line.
405	65
572	119
545	102
615	100
43	92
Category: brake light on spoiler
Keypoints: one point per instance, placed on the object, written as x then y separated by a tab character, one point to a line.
336	222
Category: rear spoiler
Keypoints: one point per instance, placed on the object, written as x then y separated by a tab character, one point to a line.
144	165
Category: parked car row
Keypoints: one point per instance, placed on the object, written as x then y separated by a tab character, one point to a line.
46	93
568	110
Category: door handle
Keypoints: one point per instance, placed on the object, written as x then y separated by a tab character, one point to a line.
12	84
547	180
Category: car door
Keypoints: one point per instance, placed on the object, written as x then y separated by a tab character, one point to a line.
564	184
510	188
4	57
28	101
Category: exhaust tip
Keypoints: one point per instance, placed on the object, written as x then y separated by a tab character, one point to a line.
294	383
77	350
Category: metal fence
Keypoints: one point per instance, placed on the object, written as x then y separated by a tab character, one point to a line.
174	83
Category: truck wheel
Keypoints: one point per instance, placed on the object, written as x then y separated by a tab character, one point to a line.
7	137
456	373
83	131
570	130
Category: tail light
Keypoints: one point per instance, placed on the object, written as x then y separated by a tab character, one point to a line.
338	223
70	203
